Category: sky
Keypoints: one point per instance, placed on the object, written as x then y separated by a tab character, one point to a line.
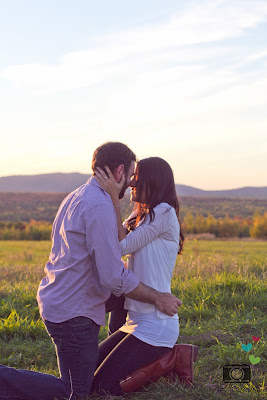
178	79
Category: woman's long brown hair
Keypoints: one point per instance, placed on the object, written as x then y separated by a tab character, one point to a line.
154	178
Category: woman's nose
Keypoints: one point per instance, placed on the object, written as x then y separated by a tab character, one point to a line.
132	183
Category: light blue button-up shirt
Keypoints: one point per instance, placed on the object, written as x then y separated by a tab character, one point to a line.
85	264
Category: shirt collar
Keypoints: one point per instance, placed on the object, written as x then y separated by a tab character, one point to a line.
93	181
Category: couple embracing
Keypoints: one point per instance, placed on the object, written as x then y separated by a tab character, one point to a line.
85	277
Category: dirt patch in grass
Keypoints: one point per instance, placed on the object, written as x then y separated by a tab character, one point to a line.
208	338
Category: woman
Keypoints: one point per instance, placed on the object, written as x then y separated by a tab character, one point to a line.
152	238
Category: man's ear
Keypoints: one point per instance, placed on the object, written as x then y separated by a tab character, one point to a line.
118	172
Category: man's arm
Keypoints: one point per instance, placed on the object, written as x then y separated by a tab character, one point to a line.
103	246
164	302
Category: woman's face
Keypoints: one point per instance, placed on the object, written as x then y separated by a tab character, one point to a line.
135	191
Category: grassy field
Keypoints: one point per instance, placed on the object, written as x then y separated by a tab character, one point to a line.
223	288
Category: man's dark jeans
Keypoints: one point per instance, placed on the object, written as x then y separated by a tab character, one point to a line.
76	342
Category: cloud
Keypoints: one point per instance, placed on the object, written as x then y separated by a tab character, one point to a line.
171	50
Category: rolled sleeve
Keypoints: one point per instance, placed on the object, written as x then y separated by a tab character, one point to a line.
103	246
129	283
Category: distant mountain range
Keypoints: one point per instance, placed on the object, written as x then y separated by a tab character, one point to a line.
242	193
53	183
67	182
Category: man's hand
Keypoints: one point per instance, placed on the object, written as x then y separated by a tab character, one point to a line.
164	302
167	303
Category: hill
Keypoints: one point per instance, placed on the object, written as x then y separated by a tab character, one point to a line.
241	193
52	183
67	182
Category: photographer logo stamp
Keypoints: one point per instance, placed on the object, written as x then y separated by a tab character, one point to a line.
241	373
236	373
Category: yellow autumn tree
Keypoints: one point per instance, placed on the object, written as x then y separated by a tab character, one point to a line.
259	226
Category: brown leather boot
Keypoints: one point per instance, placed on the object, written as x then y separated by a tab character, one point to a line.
186	355
178	360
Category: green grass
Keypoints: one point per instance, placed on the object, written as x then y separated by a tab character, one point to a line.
223	288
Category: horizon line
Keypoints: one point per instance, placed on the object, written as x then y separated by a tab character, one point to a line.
90	174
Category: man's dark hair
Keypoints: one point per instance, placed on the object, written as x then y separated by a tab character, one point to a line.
113	154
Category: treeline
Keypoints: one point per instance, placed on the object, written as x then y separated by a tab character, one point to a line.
255	227
33	230
15	207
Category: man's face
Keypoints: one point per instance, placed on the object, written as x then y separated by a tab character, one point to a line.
128	179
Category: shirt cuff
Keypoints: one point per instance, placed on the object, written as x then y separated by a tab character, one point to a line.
123	244
128	283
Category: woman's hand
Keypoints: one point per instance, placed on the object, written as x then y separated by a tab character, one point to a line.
108	183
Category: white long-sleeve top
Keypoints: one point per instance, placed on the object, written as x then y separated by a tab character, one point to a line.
151	250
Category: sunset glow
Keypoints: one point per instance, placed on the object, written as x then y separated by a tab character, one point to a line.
186	81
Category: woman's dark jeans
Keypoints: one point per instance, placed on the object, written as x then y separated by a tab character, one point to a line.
117	314
119	355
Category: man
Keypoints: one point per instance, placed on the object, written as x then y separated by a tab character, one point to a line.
84	268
